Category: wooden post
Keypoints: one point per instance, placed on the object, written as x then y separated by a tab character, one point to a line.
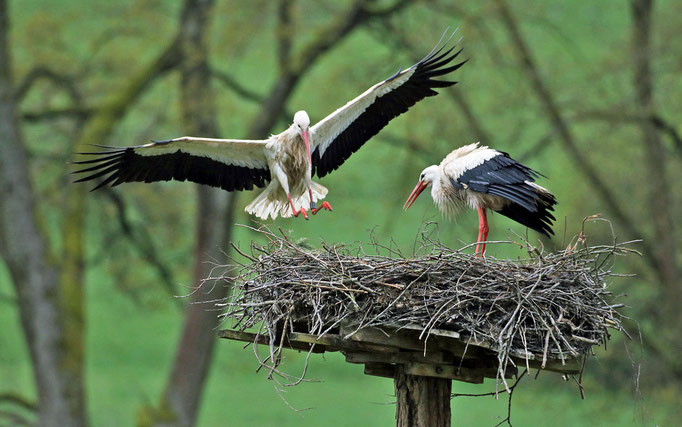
421	401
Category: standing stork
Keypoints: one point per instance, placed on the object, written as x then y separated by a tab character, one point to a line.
289	159
483	178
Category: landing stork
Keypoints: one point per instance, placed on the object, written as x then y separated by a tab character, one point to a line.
289	159
483	178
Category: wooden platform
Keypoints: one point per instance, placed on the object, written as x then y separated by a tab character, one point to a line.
443	354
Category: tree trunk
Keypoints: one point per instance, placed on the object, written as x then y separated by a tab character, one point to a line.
655	159
180	403
421	401
182	396
53	331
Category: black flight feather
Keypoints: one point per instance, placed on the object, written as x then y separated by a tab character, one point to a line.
505	177
385	108
121	165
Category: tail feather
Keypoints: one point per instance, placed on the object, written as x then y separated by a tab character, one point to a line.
539	220
273	201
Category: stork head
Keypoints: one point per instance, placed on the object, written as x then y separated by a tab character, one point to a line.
426	178
301	124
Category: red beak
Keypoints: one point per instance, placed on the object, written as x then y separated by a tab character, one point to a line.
421	185
306	139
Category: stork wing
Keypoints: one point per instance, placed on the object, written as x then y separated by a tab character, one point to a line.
226	163
344	131
499	175
493	172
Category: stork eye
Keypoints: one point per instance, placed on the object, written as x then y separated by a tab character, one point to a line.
421	177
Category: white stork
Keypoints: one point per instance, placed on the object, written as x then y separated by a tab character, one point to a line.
483	178
288	160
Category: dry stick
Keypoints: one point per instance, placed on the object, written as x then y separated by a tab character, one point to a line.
448	290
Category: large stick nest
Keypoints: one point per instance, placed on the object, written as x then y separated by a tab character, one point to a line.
550	305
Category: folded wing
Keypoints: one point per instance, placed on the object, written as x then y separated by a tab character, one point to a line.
225	163
500	175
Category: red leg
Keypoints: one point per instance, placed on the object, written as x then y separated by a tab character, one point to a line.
325	205
482	231
313	208
302	211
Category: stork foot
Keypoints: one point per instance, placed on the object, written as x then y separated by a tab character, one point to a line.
301	212
480	254
325	205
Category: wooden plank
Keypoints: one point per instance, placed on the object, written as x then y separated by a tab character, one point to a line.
336	343
265	340
569	367
444	371
408	338
432	331
399	357
374	345
390	337
380	370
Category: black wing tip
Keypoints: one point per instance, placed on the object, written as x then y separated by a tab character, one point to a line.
435	51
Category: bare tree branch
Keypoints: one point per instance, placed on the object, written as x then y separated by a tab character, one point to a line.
43	72
245	93
667	128
79	113
236	87
140	239
357	14
285	33
617	116
18	400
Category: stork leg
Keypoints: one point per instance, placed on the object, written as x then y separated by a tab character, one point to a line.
482	231
313	208
293	209
324	205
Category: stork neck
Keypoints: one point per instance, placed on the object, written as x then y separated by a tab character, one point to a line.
440	195
436	189
292	134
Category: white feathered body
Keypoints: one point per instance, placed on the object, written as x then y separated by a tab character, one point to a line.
290	170
451	192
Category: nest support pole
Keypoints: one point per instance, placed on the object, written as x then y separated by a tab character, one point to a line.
421	401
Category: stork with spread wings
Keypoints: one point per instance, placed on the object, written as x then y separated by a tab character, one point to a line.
289	159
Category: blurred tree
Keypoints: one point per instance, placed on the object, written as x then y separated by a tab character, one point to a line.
659	195
49	292
49	286
182	395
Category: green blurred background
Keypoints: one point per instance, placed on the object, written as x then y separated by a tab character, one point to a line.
584	53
